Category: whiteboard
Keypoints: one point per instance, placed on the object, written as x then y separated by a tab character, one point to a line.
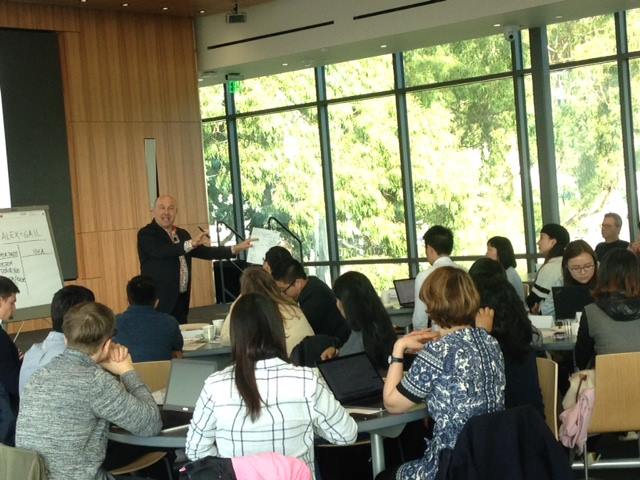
28	257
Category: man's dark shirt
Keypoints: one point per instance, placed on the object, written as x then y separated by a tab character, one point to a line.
9	367
148	334
318	303
603	248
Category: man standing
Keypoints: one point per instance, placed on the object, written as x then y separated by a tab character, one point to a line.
165	253
611	225
438	243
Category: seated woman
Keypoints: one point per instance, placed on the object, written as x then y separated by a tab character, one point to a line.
552	242
458	374
296	326
509	325
579	274
371	328
501	250
261	403
612	323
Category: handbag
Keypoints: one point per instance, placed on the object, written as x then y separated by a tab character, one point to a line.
208	468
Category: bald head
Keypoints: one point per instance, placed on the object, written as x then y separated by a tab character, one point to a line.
164	211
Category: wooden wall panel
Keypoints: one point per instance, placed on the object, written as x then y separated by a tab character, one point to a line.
126	77
38	17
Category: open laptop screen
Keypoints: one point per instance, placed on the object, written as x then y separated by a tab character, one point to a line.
405	290
352	377
185	383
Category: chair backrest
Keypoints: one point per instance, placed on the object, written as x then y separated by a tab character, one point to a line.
21	463
548	380
617	393
155	375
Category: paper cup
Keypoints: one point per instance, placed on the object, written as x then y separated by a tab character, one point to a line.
217	324
209	333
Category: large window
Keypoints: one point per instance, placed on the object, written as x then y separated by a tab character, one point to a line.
282	176
461	128
465	164
586	118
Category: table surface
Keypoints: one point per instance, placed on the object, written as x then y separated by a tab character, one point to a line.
208	349
175	438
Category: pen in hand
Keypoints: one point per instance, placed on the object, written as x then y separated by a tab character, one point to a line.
203	231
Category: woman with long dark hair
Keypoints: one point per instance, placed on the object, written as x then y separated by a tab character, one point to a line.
511	327
371	328
612	323
261	403
579	265
501	250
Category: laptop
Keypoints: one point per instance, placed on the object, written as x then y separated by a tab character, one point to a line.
569	300
354	380
186	380
405	291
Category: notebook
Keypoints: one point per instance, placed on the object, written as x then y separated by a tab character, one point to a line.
405	290
354	380
569	300
186	380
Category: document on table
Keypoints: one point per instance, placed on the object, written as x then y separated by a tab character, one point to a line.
265	240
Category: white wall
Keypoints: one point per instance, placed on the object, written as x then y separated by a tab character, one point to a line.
348	39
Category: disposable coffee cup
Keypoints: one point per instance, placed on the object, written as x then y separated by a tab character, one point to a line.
209	333
217	324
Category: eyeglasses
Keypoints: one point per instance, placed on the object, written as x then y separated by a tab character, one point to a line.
284	290
582	268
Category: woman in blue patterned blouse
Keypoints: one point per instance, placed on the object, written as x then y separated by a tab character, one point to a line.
458	372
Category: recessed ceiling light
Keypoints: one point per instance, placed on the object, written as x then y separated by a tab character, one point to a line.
83	1
285	64
497	24
384	45
558	17
125	4
203	11
165	8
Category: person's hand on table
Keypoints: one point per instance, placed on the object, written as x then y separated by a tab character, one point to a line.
484	318
119	361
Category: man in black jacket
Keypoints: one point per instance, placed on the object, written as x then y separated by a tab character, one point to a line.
165	253
9	363
316	299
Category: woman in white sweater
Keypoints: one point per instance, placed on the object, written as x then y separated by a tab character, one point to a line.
296	325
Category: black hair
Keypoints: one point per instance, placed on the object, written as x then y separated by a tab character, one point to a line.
64	299
487	268
511	325
277	257
7	287
141	290
290	272
619	274
573	249
560	235
365	313
256	333
440	239
503	246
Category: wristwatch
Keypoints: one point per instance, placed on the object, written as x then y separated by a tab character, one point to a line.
393	359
